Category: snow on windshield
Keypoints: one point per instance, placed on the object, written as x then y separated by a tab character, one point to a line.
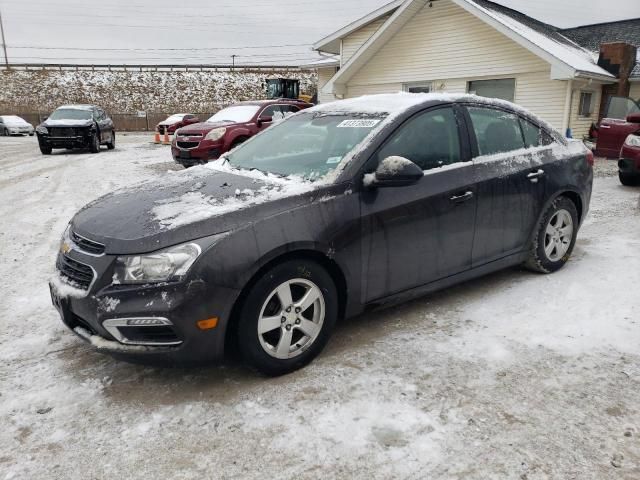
71	114
175	118
237	114
12	119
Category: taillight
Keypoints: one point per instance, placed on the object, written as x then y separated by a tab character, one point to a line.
590	158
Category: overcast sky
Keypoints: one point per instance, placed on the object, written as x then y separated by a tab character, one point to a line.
203	31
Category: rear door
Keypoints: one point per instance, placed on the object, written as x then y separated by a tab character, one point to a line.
417	234
510	183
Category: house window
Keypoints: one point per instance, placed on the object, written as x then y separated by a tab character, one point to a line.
504	88
585	109
422	87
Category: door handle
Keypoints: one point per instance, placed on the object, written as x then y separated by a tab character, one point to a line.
535	176
604	126
462	198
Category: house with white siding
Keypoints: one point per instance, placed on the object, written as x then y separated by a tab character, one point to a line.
477	46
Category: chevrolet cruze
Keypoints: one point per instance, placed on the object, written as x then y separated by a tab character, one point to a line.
338	209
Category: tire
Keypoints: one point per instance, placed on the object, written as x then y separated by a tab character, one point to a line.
112	144
629	179
31	134
301	334
555	237
95	143
45	150
5	133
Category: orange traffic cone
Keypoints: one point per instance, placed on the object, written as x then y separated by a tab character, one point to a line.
166	138
157	137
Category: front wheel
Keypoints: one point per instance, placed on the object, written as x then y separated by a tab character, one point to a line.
287	317
629	180
5	133
94	147
45	150
111	144
555	237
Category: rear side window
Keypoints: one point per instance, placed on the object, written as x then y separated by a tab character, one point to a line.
430	140
496	131
534	136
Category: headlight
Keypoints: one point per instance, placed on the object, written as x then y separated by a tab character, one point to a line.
169	264
216	134
42	130
633	140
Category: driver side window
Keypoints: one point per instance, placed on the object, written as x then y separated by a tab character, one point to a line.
430	140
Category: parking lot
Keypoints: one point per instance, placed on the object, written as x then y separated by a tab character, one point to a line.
515	375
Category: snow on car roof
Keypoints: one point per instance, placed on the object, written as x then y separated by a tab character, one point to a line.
77	107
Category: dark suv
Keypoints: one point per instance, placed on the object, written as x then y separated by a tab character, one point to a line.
199	143
343	207
76	126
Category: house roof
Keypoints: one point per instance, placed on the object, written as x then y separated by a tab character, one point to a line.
592	36
568	58
331	43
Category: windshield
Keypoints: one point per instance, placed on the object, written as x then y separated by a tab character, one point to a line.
174	118
621	107
12	119
308	144
237	114
71	114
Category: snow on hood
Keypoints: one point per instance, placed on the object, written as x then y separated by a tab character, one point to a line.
195	206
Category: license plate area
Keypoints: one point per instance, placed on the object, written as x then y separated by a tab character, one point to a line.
184	154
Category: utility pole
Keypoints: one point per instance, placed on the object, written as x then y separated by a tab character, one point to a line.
233	62
4	43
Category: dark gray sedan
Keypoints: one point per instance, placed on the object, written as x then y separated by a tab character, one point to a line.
338	209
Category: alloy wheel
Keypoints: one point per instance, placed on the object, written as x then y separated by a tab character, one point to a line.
291	318
558	235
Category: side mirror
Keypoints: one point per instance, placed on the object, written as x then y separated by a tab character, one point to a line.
394	172
264	119
633	117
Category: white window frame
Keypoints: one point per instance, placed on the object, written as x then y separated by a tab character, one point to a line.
591	104
493	79
407	86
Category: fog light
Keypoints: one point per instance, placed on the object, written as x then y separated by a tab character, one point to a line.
208	324
146	322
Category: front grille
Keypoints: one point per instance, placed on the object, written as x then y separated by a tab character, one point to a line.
87	245
188	144
75	273
65	132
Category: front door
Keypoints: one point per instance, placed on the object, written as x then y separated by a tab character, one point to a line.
417	234
511	182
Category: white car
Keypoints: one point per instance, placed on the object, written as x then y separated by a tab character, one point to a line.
14	125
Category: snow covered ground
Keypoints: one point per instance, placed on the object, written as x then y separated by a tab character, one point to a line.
512	376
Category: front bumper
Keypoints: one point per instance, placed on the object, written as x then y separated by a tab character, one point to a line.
76	141
95	317
629	162
193	153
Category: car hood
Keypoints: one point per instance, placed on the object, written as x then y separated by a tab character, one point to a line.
187	206
67	123
205	127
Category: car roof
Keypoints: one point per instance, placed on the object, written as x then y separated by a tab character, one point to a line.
78	107
268	102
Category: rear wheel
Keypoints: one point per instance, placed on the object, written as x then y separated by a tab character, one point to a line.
629	179
95	143
287	317
111	144
5	133
555	237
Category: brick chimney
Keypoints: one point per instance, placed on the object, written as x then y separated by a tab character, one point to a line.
619	59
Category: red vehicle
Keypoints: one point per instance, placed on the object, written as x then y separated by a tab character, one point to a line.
629	163
174	122
228	128
622	119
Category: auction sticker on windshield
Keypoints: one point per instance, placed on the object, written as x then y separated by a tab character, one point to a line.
362	123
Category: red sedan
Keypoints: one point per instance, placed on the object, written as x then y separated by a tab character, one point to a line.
174	122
